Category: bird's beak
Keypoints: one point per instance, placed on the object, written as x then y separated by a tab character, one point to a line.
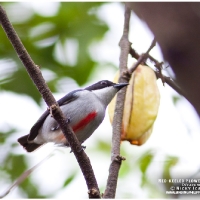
120	85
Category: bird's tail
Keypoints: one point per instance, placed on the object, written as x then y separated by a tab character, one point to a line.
29	147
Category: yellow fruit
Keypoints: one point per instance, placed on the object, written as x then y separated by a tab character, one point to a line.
141	106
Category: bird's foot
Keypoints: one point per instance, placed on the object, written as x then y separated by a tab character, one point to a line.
81	149
55	128
68	120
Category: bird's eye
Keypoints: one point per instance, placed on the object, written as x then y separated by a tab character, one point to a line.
103	83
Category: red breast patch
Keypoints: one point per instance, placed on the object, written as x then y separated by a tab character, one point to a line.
84	121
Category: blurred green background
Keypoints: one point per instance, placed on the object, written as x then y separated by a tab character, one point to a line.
64	39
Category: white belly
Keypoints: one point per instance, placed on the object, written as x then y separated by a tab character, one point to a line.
76	112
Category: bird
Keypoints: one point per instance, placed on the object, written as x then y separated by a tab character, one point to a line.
84	110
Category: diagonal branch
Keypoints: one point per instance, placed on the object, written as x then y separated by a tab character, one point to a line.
164	78
36	75
24	176
143	57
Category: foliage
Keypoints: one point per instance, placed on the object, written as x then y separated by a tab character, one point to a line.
42	35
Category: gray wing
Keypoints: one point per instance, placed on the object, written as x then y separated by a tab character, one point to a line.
64	100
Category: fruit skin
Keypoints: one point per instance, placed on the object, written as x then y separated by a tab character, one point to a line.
141	106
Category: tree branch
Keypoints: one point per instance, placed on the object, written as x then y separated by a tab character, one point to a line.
142	58
35	74
125	76
117	121
164	78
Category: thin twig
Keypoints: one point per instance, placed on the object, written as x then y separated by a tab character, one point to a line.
36	75
164	78
172	84
142	58
24	176
117	121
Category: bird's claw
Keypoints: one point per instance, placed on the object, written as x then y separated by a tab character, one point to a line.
55	128
68	120
81	149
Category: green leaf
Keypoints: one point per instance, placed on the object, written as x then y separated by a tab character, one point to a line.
170	162
70	179
15	165
21	83
144	163
176	99
5	135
